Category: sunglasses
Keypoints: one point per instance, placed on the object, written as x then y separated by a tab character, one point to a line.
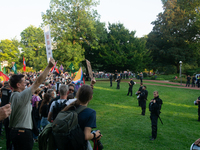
71	90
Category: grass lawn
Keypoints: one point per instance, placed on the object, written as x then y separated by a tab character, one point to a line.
123	128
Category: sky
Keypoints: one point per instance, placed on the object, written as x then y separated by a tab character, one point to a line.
135	15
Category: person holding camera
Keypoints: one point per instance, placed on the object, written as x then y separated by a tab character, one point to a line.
20	120
131	83
118	81
197	102
154	108
143	98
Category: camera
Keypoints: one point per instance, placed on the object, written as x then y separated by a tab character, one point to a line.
195	103
99	144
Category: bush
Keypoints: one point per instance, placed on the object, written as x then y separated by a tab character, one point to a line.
144	75
190	72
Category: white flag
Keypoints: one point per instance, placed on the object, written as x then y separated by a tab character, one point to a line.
47	36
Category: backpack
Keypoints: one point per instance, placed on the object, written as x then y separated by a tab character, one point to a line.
58	107
46	140
66	131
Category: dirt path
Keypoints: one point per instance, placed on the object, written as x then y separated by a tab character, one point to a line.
166	82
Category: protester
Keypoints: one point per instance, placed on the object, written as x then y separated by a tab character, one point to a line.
5	112
87	118
44	109
21	123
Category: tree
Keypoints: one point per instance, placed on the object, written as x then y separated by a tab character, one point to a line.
33	47
122	50
171	38
9	51
72	24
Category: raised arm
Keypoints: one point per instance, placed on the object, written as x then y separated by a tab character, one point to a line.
41	78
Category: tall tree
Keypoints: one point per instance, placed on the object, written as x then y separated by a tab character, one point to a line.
33	47
9	51
72	24
171	38
122	50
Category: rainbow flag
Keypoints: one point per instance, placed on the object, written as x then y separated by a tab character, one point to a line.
79	77
3	77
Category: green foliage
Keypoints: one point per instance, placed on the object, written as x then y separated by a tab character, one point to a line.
145	75
190	72
175	35
9	51
122	50
72	25
33	48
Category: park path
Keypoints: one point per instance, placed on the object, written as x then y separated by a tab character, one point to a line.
155	82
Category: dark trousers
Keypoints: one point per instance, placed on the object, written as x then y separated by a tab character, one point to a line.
199	112
154	122
188	84
139	102
143	106
110	83
7	131
193	84
118	87
140	80
130	90
22	139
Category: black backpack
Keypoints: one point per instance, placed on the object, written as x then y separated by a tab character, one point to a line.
66	131
58	107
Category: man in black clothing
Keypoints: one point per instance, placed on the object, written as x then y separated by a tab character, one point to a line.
5	96
118	81
154	108
139	91
110	77
131	83
193	81
143	99
188	80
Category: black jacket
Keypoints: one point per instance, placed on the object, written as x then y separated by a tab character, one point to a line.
155	108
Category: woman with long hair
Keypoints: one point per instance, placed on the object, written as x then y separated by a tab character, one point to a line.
44	109
86	118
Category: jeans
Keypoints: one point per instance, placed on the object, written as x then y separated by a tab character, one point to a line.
22	139
44	122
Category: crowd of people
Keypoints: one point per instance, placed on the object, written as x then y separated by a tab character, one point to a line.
30	101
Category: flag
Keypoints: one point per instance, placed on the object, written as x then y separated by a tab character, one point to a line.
24	64
61	67
79	77
4	69
3	77
56	69
14	68
52	69
71	66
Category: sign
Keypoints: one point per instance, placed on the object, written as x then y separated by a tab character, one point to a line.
47	36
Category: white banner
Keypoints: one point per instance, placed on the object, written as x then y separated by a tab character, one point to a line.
47	36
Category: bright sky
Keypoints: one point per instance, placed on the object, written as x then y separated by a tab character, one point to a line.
17	15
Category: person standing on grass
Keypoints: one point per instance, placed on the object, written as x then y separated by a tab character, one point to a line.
154	108
130	89
118	81
21	123
141	77
188	81
193	81
143	99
